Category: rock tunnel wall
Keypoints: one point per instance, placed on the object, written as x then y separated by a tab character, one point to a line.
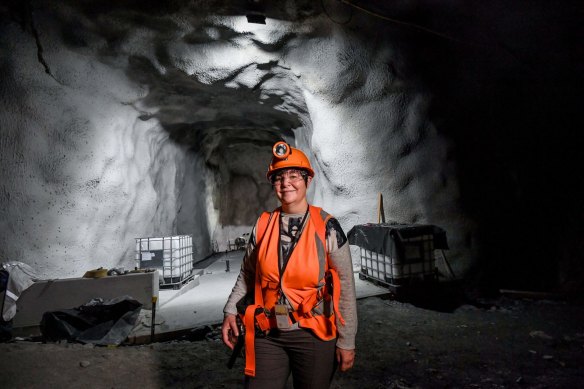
82	174
124	121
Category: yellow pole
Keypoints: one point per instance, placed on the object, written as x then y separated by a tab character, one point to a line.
152	324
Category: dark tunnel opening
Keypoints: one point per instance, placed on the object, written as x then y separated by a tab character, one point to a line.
233	130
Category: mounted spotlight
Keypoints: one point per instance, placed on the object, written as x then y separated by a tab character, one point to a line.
256	11
256	18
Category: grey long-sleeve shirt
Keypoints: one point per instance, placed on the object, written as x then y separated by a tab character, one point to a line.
340	260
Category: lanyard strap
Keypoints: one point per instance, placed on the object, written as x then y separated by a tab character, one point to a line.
295	240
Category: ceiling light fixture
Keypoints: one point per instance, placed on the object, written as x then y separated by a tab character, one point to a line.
256	11
256	18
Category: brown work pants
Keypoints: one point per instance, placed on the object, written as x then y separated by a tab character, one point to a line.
311	360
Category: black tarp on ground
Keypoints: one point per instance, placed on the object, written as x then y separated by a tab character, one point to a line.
97	322
381	238
5	326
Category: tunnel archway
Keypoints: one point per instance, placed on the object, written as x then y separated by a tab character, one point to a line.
231	125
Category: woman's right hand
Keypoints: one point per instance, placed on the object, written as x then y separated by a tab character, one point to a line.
230	331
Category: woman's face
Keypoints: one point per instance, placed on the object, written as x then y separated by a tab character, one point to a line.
290	186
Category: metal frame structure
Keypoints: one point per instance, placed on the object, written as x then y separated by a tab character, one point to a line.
412	260
172	256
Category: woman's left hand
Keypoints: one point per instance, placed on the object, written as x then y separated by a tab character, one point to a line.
345	358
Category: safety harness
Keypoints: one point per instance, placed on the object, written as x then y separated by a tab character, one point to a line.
306	306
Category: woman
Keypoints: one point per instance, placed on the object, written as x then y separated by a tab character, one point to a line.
295	293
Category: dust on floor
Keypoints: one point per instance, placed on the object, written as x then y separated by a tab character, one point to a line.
502	343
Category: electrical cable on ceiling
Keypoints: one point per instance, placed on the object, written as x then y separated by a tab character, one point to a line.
500	45
439	34
407	24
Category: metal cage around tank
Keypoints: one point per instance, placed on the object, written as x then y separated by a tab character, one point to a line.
415	262
397	255
172	256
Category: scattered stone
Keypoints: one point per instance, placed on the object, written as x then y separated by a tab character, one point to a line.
541	335
400	384
519	380
548	357
533	352
84	363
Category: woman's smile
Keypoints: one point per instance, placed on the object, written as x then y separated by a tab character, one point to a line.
292	194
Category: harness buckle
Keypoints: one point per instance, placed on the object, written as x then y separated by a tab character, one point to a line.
281	314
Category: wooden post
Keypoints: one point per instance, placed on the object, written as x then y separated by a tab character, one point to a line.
380	210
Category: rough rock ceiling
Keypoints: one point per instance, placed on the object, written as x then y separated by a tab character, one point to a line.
224	110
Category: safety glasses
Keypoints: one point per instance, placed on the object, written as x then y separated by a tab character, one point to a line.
292	175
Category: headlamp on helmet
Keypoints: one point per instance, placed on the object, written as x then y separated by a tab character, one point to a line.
286	157
281	150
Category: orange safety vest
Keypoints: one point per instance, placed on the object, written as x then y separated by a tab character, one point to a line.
305	283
